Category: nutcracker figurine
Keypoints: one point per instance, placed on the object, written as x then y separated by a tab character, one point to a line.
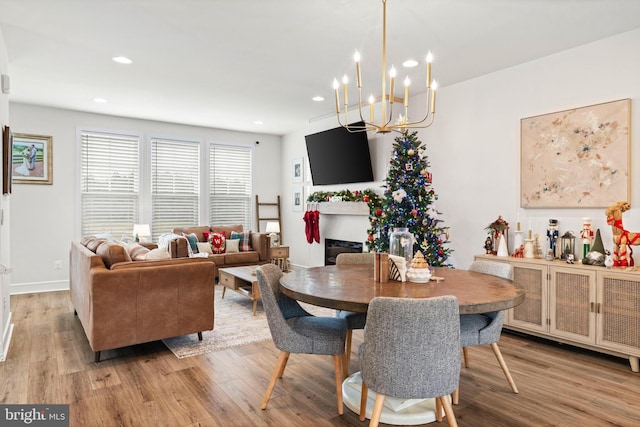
552	235
587	236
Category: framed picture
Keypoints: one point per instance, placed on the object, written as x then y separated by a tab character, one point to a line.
6	157
32	161
576	158
298	198
298	171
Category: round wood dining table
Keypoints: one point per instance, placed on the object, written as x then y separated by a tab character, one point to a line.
351	287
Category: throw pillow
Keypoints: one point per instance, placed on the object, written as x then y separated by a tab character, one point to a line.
245	239
217	241
193	242
137	252
157	253
204	247
233	245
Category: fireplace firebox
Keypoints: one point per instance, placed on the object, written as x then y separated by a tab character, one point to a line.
334	247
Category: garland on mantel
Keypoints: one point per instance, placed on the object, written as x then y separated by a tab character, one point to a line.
368	196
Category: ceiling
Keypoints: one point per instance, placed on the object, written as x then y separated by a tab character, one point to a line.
227	64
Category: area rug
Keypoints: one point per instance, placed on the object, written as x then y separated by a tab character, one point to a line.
234	325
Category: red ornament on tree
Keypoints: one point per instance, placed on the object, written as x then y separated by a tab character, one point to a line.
366	199
370	237
378	212
414	212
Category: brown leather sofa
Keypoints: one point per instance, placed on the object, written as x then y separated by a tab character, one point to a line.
122	302
260	253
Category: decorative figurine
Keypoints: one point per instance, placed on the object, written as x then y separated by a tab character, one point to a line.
621	237
498	228
488	246
587	236
552	234
608	261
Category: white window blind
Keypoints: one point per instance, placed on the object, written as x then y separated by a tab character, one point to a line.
230	185
109	183
175	184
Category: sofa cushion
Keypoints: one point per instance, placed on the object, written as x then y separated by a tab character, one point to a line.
241	257
232	246
218	259
245	240
137	252
111	253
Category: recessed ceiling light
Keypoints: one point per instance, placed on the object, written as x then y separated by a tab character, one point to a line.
318	98
258	122
100	100
409	63
122	60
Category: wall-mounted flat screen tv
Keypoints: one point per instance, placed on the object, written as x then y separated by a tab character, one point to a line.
337	156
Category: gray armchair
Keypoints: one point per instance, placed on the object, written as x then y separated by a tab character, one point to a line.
294	330
411	350
481	329
354	320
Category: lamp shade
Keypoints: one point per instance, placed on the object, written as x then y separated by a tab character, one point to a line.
273	227
141	230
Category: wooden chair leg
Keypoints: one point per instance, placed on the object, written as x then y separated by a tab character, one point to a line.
363	401
277	372
377	410
503	365
347	354
456	395
199	336
337	363
465	356
438	409
448	411
284	365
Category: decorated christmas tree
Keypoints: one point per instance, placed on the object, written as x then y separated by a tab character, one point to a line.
408	202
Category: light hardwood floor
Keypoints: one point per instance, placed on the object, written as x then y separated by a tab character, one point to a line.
50	361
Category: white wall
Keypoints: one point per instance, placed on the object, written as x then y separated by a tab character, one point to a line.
44	218
5	258
474	145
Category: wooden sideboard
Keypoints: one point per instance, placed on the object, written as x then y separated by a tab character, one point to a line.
590	307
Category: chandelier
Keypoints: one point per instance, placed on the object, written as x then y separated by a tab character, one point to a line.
386	124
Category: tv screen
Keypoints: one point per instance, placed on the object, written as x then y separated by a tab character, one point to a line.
337	156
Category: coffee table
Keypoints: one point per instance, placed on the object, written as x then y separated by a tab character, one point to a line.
242	280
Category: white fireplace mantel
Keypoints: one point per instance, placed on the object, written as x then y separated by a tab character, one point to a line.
343	208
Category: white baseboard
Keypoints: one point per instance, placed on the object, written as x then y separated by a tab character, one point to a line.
6	339
36	287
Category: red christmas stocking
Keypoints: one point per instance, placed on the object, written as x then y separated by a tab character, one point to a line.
316	226
308	227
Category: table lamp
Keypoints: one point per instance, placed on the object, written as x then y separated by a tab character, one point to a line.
273	228
141	230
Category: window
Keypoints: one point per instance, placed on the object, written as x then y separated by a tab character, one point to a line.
175	185
230	185
109	183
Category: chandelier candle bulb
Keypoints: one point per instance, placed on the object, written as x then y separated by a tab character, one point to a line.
434	87
429	60
336	85
371	101
345	80
356	57
392	84
407	82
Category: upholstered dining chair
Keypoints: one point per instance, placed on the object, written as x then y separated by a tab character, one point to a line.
482	329
294	330
411	350
354	320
